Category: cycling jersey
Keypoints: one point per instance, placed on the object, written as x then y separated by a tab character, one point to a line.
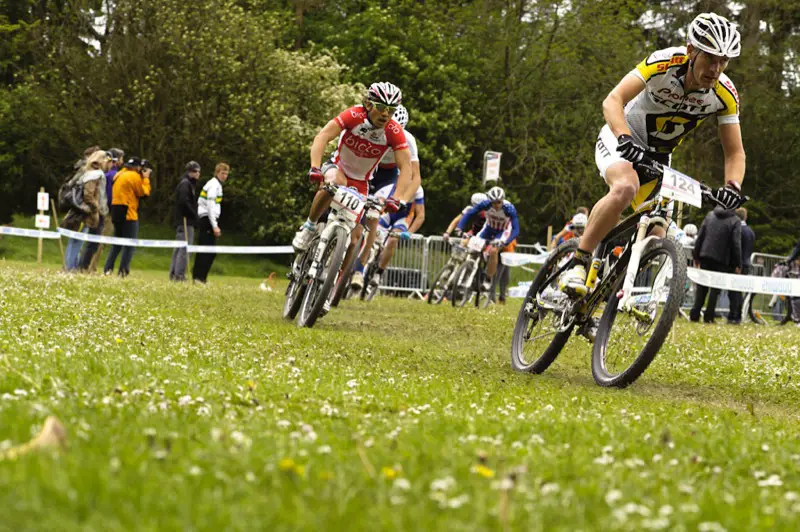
362	145
663	113
497	220
478	220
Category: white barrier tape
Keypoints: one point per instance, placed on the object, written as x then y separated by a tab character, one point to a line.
32	233
242	250
746	283
520	259
141	243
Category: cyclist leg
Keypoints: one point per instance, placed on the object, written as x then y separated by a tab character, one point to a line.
321	203
623	182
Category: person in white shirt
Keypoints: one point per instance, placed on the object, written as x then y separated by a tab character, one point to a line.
209	208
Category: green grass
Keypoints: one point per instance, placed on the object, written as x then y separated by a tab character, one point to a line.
193	407
14	248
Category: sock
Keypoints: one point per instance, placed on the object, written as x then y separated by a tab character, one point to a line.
358	266
379	271
309	224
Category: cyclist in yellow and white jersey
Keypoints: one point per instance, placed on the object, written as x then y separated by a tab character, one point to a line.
649	113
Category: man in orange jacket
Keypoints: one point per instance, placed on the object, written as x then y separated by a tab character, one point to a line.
130	184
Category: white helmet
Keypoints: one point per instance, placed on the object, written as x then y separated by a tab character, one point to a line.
579	220
716	35
690	229
384	92
496	194
478	197
401	116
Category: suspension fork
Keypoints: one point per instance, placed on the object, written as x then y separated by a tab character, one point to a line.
625	295
323	241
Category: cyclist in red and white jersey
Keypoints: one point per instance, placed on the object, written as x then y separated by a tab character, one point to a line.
369	132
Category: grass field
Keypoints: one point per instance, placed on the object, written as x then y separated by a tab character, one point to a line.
198	408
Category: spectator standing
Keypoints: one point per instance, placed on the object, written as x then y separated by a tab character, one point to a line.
185	219
718	248
748	241
92	177
130	184
92	250
209	208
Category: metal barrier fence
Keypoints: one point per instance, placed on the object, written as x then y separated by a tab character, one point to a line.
768	306
407	270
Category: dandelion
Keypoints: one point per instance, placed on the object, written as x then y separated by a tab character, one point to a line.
287	464
483	471
389	473
118	340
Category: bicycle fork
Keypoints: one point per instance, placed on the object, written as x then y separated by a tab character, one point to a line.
625	295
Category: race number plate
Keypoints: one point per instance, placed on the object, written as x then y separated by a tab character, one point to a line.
348	204
476	243
681	187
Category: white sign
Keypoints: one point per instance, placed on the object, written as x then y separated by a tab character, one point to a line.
42	221
42	202
491	166
681	187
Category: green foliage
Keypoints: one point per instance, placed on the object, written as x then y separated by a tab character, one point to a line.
252	81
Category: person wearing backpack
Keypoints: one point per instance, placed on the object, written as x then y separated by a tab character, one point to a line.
92	250
87	190
130	184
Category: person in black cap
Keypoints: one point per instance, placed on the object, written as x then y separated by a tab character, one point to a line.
185	219
132	183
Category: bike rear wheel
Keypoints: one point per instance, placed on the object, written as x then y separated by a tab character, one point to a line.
752	313
539	335
368	292
319	288
628	341
463	283
439	289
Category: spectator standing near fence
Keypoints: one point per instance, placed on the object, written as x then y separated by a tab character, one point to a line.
748	241
93	207
130	184
185	219
91	250
209	208
718	248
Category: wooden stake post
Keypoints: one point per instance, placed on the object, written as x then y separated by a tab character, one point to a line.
549	236
55	222
39	250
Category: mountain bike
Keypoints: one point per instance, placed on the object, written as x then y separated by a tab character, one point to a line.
443	282
342	291
470	276
348	209
780	307
371	278
637	293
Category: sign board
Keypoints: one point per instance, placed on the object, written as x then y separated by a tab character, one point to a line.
42	221
42	201
491	166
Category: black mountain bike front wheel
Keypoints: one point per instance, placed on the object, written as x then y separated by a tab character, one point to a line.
439	289
628	340
539	335
464	283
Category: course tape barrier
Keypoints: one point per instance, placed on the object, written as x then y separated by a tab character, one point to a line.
145	243
520	259
32	233
774	286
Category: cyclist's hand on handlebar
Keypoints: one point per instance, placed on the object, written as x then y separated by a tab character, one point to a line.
629	149
315	175
405	235
392	204
499	244
728	197
446	237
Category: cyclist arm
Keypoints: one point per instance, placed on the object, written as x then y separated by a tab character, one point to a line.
419	218
472	211
326	134
453	224
614	104
557	237
405	187
731	137
512	213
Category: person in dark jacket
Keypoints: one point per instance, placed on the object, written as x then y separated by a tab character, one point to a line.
185	219
748	241
718	248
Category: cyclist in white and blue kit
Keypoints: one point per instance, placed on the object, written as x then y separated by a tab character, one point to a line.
501	215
